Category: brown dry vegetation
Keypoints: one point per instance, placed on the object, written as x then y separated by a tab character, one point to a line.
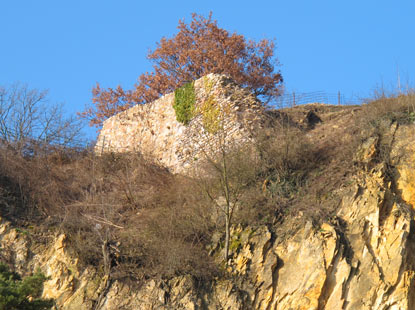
158	224
199	48
153	220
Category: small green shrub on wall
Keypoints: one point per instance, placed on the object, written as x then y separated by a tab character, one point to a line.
184	103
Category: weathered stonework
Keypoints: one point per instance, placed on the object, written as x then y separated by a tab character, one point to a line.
152	129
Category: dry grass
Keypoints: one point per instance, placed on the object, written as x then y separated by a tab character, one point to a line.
306	168
160	224
156	221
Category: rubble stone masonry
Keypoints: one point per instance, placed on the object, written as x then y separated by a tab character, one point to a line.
152	129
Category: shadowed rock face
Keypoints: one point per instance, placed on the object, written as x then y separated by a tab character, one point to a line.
152	129
361	259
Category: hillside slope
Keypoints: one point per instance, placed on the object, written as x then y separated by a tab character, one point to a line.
341	239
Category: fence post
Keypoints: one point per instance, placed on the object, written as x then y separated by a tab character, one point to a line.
338	98
293	99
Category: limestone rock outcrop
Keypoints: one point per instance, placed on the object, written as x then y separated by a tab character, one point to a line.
362	259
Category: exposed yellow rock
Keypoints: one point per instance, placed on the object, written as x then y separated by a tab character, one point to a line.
364	261
403	155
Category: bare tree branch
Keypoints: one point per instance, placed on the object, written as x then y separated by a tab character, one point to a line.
28	119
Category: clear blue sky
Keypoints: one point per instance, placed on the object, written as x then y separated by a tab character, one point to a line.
67	46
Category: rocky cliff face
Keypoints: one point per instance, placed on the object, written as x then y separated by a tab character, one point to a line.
363	258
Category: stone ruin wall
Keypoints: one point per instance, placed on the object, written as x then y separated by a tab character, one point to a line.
152	129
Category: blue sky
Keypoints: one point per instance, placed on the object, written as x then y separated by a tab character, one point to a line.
67	46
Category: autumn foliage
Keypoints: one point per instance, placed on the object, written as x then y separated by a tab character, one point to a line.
199	48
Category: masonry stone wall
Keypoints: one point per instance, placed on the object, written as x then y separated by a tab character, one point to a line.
152	129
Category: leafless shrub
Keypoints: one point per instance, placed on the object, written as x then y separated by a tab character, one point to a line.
120	211
137	220
28	120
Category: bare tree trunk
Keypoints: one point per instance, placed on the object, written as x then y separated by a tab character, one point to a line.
107	276
225	184
227	234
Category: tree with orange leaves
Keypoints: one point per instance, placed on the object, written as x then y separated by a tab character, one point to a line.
196	50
